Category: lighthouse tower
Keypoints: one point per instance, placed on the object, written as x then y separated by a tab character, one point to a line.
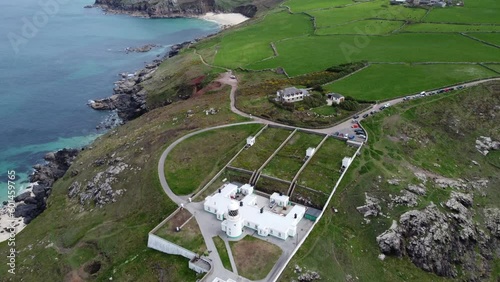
234	222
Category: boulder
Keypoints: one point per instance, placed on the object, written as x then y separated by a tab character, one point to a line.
22	197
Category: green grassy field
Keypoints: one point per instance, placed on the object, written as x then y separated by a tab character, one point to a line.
369	10
223	254
441	27
331	50
252	43
287	162
368	27
265	144
303	5
323	170
493	38
495	67
190	235
196	160
479	11
342	244
394	80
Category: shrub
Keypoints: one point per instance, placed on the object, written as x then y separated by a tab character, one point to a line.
349	105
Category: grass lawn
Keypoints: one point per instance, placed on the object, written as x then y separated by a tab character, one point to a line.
196	160
254	258
322	172
287	162
479	11
265	144
493	38
368	27
325	110
223	254
325	51
495	67
190	235
368	10
252	43
392	80
442	27
304	5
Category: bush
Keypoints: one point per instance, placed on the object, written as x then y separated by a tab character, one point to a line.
314	100
349	105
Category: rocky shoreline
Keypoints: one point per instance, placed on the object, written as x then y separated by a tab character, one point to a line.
169	9
129	97
33	201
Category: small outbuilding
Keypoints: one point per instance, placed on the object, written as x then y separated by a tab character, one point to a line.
335	98
346	162
310	152
279	199
312	214
250	141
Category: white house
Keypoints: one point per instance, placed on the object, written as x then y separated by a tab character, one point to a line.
310	152
335	98
252	211
291	94
250	140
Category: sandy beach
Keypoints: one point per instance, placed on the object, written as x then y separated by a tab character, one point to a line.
228	19
6	223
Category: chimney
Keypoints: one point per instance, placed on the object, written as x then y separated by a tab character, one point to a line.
241	203
220	191
295	216
261	210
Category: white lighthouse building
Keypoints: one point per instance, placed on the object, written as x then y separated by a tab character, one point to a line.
233	225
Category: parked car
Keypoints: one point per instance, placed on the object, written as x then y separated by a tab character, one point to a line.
460	87
355	117
336	133
359	133
362	136
365	115
351	137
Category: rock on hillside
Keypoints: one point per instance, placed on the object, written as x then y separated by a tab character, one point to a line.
443	240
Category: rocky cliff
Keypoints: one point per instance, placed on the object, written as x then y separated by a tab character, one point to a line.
172	8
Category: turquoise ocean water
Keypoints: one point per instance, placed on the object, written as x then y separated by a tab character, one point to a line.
55	56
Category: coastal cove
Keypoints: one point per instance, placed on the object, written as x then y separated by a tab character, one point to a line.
72	57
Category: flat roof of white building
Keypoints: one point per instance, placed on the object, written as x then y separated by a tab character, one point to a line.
250	211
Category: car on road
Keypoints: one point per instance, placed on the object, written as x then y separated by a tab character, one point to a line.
365	115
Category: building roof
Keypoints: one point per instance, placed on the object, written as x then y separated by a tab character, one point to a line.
312	211
335	95
250	211
292	91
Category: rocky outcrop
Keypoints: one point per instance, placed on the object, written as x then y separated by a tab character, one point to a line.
33	202
57	165
248	11
129	98
439	241
407	198
99	190
371	207
485	144
158	9
141	49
